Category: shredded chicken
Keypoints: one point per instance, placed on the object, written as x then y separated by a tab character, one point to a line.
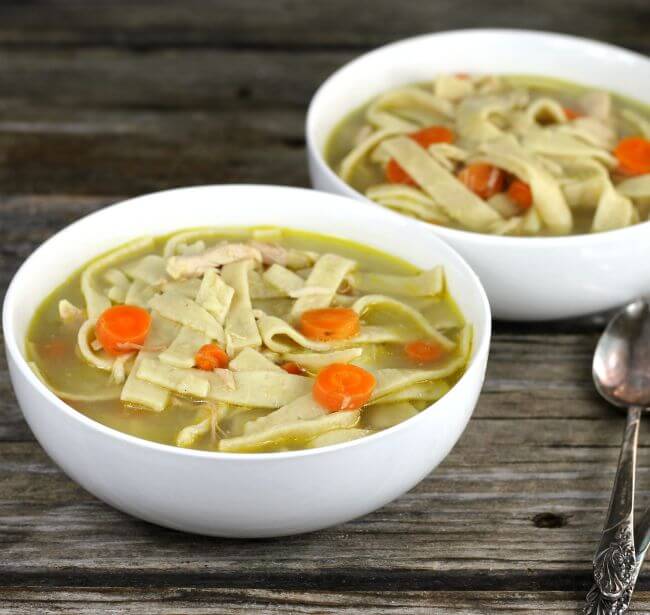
597	104
271	253
69	313
96	345
134	346
119	370
195	265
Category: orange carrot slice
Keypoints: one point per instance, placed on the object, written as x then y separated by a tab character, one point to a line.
343	387
423	351
292	368
330	324
520	193
483	180
571	114
210	356
432	134
395	174
121	327
633	154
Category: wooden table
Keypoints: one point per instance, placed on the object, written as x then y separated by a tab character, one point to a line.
99	101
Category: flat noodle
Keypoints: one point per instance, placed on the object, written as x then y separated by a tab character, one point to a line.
96	301
241	328
253	389
384	415
251	360
182	310
424	107
301	419
458	201
409	201
353	159
548	199
149	269
215	295
392	380
317	360
182	351
283	279
425	284
274	330
338	436
429	391
327	274
368	302
100	360
139	293
142	393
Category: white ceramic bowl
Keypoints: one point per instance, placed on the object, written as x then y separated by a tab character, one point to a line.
525	278
244	495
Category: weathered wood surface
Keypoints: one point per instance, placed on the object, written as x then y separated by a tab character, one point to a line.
105	100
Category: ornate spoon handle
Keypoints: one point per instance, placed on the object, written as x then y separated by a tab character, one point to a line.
615	559
596	603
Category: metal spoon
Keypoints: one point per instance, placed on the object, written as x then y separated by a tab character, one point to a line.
621	372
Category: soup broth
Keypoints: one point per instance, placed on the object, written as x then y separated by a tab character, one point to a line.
249	332
511	155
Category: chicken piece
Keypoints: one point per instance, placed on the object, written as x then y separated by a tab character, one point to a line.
70	313
195	265
597	104
273	254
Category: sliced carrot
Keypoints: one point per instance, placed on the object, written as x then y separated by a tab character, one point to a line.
484	180
395	174
520	193
343	387
330	324
571	114
432	134
424	351
121	327
210	356
461	76
292	368
633	154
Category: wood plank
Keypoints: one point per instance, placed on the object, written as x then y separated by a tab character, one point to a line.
537	489
203	79
86	153
304	25
159	600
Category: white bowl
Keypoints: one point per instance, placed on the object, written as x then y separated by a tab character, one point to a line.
243	495
525	278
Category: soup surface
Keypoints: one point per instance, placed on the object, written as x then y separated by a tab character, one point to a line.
508	155
246	340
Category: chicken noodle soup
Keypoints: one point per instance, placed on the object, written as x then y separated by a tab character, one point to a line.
246	340
501	155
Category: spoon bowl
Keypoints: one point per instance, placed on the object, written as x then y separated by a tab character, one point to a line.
621	365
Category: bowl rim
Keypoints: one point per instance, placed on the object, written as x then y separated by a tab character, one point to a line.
489	240
16	356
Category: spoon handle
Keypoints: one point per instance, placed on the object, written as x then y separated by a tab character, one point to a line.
615	560
596	603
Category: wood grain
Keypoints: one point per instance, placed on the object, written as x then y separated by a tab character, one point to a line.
143	24
105	100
